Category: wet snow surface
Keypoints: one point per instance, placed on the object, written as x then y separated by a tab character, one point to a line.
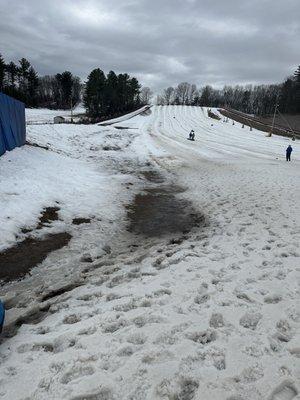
207	311
158	212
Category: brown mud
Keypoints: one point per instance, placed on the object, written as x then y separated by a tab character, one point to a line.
159	211
18	260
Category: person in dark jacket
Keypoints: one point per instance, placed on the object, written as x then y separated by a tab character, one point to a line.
288	153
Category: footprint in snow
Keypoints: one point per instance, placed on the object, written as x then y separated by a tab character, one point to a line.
71	319
250	320
137	338
284	331
76	372
285	391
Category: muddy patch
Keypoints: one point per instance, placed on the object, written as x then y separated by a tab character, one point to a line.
123	127
111	148
158	211
49	215
80	221
18	260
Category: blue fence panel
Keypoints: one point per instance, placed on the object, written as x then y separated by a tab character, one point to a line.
12	123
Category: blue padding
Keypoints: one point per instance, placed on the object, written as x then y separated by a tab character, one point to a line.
12	123
2	315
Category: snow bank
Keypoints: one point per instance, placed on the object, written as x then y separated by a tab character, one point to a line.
125	117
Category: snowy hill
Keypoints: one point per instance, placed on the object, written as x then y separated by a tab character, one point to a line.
207	311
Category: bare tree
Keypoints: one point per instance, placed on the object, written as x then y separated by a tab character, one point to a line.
182	92
146	95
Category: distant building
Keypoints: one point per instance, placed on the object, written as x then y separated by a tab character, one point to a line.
12	123
59	120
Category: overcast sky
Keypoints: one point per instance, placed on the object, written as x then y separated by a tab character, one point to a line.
161	42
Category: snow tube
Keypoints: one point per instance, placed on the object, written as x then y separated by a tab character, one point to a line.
2	315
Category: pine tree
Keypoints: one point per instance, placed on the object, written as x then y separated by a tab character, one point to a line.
12	74
111	94
23	71
95	94
10	81
123	91
32	87
206	96
134	93
66	89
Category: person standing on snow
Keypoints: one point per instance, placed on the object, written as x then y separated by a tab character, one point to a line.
288	153
191	135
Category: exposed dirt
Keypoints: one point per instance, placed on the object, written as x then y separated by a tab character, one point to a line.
157	212
79	221
123	127
111	148
49	214
18	260
213	115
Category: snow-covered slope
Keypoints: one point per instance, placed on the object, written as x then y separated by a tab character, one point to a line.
213	315
44	115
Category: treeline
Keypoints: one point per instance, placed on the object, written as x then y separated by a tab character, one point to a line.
60	91
252	99
22	82
290	94
103	96
19	81
110	95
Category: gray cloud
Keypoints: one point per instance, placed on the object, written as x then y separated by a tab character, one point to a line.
160	42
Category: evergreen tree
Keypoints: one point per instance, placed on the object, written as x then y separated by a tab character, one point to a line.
23	71
32	88
10	81
206	98
95	94
12	75
123	85
133	92
111	93
66	81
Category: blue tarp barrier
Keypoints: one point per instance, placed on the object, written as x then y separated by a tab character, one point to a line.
12	123
2	315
